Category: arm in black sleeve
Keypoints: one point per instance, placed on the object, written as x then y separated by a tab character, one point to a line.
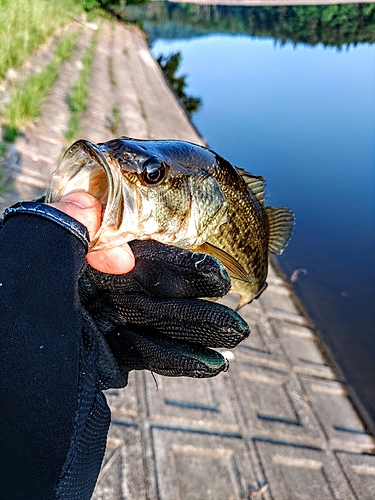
50	404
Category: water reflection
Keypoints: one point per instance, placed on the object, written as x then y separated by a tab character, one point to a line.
330	25
170	65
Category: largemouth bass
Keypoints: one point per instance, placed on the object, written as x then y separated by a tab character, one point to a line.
181	194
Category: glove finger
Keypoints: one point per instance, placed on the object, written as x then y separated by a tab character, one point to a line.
198	274
197	321
93	282
164	356
165	271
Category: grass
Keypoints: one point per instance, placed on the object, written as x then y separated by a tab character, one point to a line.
80	92
116	117
26	101
111	71
116	121
10	134
25	24
143	111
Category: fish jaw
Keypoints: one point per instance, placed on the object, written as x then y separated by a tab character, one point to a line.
85	168
82	167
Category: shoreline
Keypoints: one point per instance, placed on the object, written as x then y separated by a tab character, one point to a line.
362	411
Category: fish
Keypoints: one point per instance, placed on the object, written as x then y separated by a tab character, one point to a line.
181	194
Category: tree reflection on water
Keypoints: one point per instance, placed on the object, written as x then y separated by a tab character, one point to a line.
339	26
169	65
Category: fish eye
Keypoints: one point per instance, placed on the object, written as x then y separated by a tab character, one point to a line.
153	172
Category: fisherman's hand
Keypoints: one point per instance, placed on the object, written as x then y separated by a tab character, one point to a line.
152	318
83	207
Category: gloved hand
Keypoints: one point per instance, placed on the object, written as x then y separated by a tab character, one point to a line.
152	317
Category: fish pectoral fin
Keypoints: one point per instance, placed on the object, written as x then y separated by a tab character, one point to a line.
234	268
281	223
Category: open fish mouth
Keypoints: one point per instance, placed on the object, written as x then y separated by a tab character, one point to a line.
85	168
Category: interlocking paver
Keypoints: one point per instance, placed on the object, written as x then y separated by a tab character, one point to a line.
302	472
193	465
360	472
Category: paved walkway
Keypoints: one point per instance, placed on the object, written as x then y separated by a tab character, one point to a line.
278	425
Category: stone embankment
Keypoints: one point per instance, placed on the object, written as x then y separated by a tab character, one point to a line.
278	425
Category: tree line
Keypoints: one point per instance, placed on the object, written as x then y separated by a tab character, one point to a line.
335	25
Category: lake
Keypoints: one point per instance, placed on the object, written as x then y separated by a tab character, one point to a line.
303	116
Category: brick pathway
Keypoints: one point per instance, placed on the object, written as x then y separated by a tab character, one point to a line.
278	425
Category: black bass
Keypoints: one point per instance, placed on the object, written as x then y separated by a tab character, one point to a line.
181	194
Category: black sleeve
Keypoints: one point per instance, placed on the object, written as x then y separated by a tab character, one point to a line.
53	417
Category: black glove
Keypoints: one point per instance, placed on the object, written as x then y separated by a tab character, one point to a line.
152	318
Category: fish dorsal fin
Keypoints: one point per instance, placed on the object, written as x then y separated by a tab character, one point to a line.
255	183
234	268
281	224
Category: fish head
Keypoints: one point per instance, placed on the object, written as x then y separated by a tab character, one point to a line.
161	190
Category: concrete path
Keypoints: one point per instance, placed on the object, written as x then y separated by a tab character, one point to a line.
278	425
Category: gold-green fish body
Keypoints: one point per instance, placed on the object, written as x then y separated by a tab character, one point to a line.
181	194
254	229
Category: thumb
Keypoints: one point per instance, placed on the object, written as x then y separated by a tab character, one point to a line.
83	207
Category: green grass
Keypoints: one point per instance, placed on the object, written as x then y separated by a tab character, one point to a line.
115	122
26	101
25	24
111	71
116	117
80	92
10	134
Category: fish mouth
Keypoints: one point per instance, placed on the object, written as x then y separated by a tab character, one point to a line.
85	168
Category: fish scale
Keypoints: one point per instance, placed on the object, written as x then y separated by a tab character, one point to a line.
246	236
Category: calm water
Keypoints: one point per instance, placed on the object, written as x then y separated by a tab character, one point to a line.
304	118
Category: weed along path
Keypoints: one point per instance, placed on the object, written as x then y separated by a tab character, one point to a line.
279	424
110	86
34	155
